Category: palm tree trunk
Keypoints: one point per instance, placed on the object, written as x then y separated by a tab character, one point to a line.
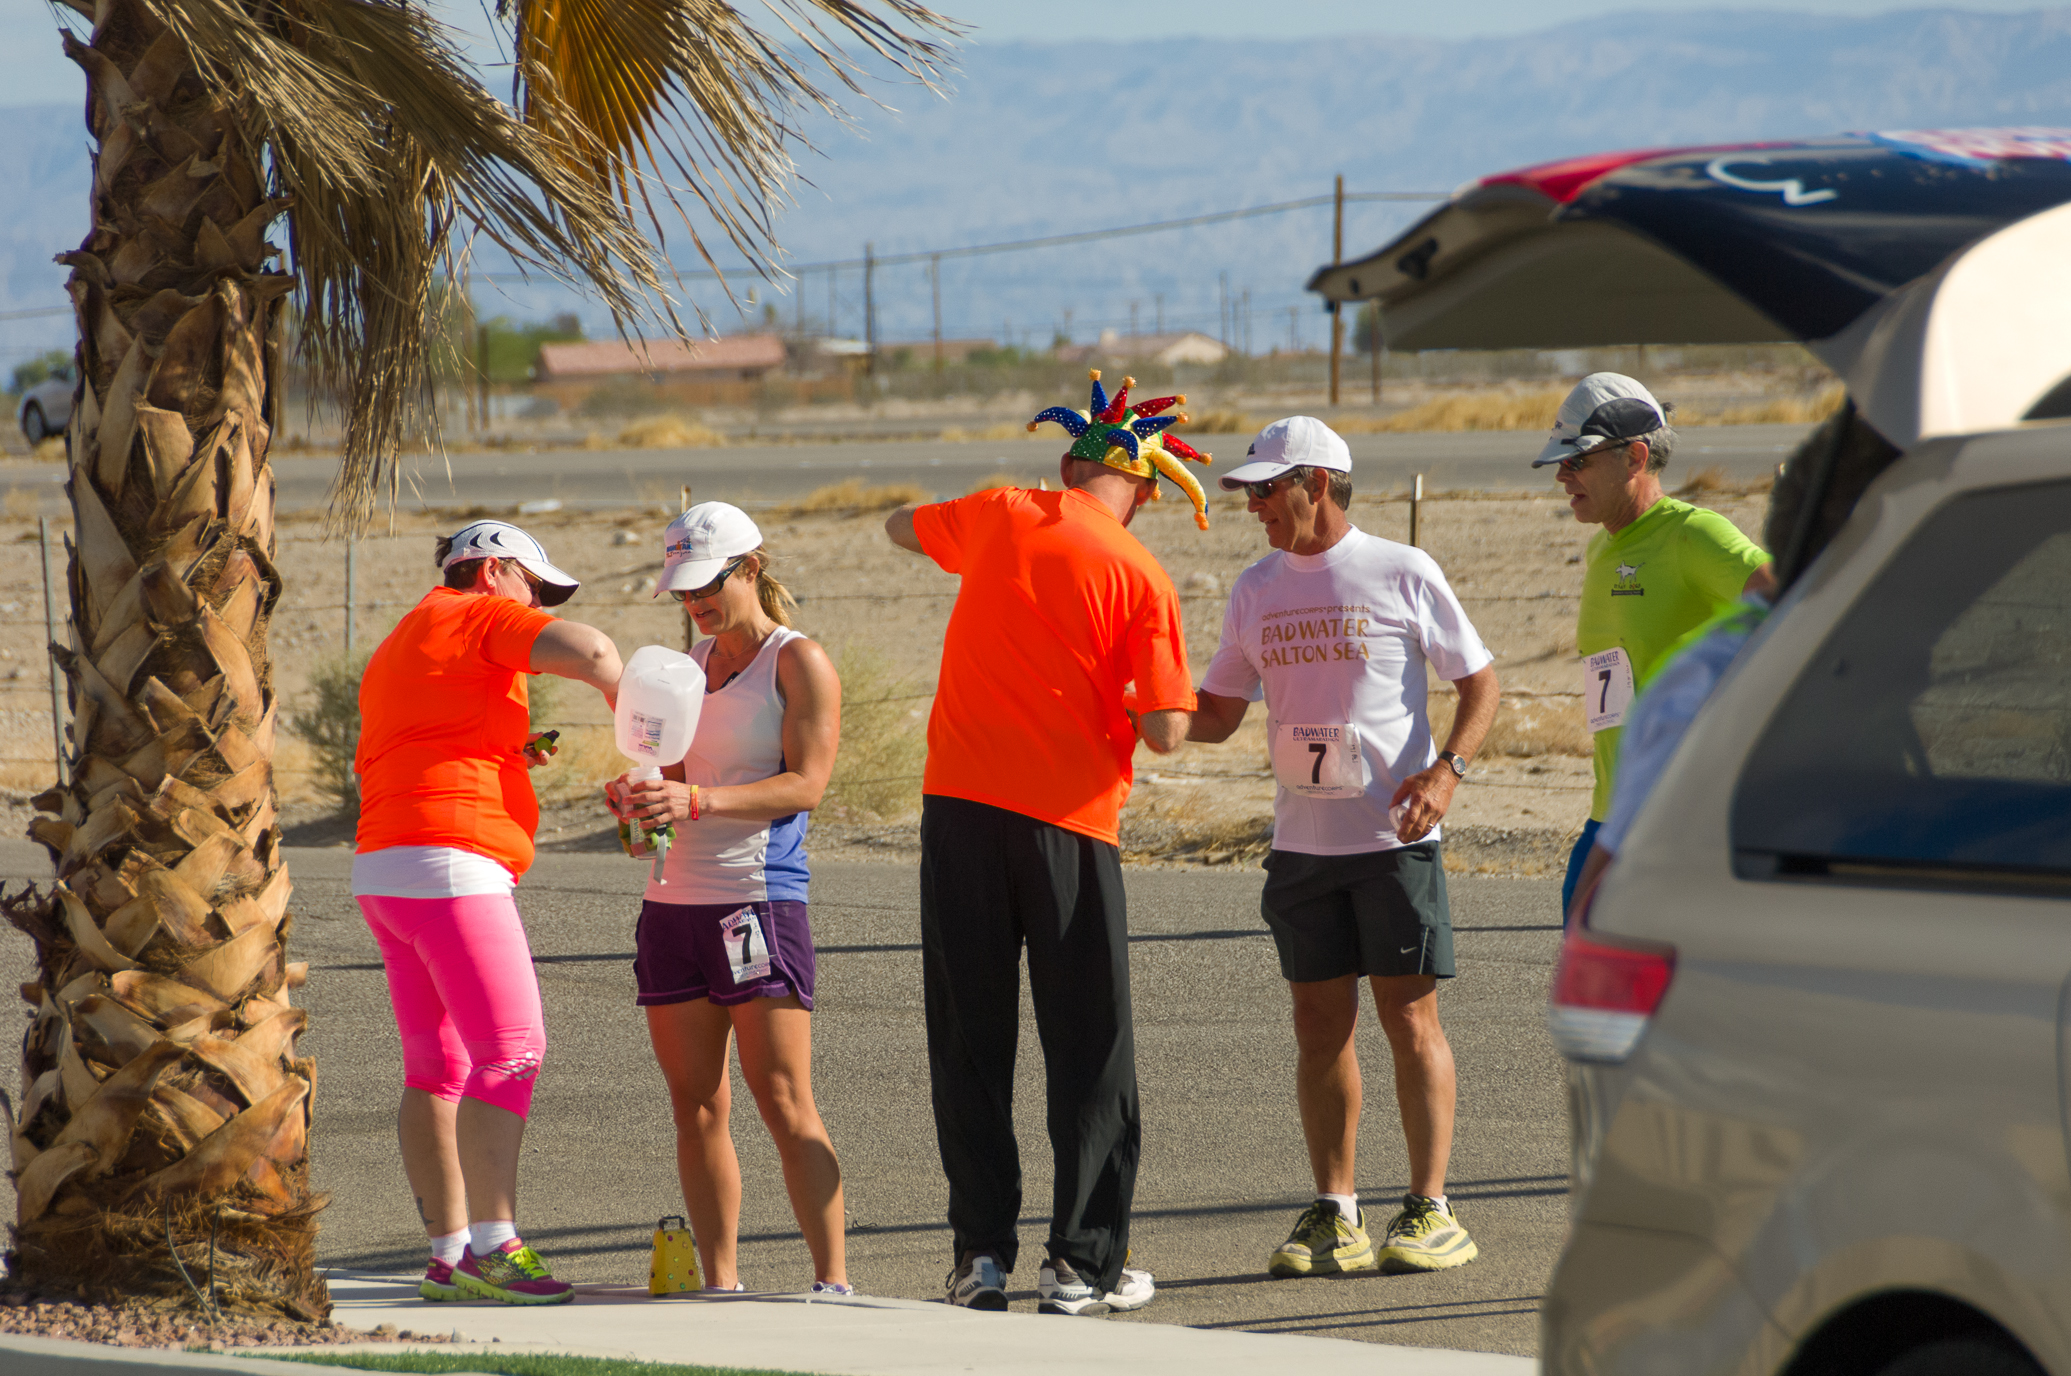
165	1114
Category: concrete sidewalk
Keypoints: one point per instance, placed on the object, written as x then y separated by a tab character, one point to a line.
863	1336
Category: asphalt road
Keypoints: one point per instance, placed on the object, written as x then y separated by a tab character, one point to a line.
1223	1171
620	477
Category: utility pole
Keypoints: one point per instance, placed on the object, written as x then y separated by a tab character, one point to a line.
831	331
935	284
1247	322
1161	312
1132	319
1224	330
1294	325
1337	315
869	308
1374	347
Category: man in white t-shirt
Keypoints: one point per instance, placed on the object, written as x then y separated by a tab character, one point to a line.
1335	630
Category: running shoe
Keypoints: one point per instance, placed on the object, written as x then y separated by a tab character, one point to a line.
1323	1244
832	1287
739	1287
1425	1237
976	1283
1061	1290
438	1282
512	1273
1136	1290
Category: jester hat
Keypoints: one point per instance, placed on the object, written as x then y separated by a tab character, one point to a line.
1132	439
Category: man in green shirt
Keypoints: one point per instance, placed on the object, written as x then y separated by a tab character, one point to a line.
1657	570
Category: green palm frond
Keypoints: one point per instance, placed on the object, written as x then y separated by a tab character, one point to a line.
383	144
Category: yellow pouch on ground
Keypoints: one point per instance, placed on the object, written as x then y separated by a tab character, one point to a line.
675	1270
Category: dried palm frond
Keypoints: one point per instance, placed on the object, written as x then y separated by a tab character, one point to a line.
655	88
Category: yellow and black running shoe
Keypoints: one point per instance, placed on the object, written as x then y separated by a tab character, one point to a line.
1425	1237
1323	1244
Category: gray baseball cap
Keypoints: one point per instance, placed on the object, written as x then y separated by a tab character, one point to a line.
1603	408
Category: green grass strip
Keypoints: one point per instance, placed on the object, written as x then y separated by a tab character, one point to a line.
508	1364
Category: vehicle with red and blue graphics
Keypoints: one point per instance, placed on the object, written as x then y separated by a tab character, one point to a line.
1817	1017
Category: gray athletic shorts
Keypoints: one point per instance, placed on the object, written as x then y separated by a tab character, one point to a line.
1382	912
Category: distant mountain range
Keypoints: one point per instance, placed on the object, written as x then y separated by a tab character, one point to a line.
1039	139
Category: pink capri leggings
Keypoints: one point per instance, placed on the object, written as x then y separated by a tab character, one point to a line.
466	998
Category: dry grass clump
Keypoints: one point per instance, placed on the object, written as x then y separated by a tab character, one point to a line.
884	740
670	431
1713	482
1486	410
51	450
1224	422
1524	727
1005	430
1777	411
588	758
851	498
329	726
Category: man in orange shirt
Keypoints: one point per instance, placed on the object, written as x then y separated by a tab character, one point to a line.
1029	750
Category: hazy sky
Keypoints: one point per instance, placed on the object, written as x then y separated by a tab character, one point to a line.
1068	19
33	71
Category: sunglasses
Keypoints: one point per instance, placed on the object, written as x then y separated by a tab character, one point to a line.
1581	461
712	588
1263	491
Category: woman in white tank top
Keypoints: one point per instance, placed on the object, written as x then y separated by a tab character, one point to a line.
724	946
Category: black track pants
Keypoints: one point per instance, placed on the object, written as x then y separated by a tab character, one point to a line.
990	881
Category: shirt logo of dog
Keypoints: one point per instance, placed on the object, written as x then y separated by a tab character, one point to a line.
1628	583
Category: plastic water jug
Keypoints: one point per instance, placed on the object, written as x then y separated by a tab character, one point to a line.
660	694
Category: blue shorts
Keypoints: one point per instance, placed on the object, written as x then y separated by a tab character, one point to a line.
728	953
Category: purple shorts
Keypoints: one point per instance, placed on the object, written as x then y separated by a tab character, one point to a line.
728	953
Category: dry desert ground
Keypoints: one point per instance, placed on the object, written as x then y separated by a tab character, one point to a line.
1515	562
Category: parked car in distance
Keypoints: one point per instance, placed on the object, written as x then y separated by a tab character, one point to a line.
46	408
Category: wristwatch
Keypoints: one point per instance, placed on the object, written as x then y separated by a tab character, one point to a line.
1459	766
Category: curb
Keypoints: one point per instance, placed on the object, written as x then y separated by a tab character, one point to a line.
27	1356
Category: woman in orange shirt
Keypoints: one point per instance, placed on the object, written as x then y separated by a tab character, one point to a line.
447	815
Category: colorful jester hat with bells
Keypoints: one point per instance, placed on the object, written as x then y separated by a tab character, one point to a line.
1132	439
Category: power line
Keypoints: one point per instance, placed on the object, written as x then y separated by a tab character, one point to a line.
1051	240
969	250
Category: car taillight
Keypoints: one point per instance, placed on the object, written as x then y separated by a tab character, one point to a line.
1604	993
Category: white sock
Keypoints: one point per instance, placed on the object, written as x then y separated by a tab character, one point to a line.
1348	1206
484	1238
1439	1200
447	1247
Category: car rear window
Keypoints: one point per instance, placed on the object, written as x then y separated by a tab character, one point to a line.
1930	737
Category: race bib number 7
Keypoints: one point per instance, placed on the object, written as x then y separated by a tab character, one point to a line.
747	949
1319	761
1606	688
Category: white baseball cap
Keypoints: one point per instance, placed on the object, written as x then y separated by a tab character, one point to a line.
502	540
700	541
1603	408
1296	442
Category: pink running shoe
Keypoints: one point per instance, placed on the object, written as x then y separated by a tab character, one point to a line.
512	1273
438	1282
